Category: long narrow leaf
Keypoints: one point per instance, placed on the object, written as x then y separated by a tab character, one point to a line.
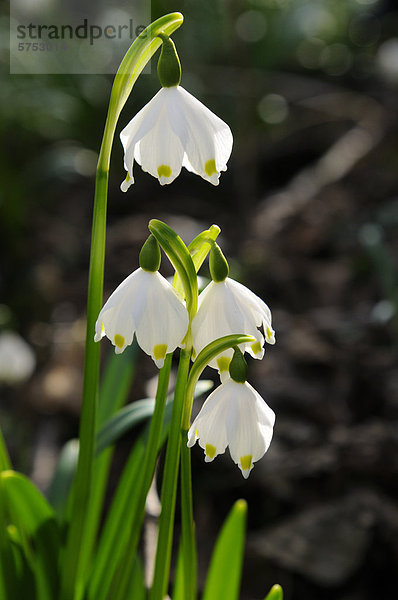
126	418
223	579
61	483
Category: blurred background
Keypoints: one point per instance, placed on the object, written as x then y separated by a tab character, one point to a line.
308	210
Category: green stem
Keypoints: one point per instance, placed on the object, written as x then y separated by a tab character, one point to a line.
187	522
73	563
169	486
122	583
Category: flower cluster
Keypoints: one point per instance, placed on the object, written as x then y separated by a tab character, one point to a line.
146	305
174	130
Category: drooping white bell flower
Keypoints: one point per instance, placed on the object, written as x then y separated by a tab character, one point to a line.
144	304
234	415
227	307
172	131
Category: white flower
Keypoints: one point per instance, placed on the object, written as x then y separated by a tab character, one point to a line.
234	415
145	304
228	307
175	130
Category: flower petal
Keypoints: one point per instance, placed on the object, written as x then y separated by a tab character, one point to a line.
206	139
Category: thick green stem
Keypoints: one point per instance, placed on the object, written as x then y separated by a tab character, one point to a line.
187	522
121	586
169	486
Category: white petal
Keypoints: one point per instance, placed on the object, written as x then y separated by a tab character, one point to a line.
139	127
206	139
115	319
160	151
161	317
209	427
250	424
221	313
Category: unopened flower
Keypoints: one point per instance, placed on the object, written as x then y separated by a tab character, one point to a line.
144	304
172	131
234	415
227	307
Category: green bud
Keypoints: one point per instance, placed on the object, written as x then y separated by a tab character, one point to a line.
219	268
169	66
238	367
150	255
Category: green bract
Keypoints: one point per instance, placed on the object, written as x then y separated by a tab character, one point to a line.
169	66
238	367
219	268
179	256
150	255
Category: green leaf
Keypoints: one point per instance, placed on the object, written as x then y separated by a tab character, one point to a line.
116	382
275	593
224	575
132	415
178	591
35	523
198	249
137	590
126	418
179	256
61	483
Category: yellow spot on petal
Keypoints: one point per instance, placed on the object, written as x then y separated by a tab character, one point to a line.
159	351
256	347
119	341
102	328
164	171
210	167
269	333
246	462
210	451
223	363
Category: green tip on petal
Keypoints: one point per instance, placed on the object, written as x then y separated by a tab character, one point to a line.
169	66
219	268
150	255
238	367
211	451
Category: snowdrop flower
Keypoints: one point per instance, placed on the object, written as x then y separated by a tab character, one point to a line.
172	131
144	304
175	130
225	307
234	415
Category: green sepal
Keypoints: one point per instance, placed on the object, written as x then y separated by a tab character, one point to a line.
275	593
179	256
218	265
202	360
169	66
238	367
149	258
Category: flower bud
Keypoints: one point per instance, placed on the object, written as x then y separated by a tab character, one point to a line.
149	258
219	268
169	66
238	367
